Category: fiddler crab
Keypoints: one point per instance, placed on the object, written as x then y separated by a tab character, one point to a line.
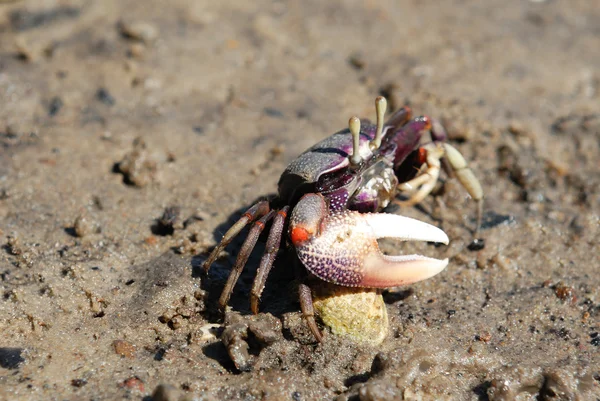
329	204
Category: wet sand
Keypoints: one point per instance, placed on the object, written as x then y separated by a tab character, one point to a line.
134	133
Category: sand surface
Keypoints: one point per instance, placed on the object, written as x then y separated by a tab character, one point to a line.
133	134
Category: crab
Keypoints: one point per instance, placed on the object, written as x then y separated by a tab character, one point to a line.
330	201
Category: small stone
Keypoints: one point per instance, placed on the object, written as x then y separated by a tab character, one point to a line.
137	167
560	385
485	337
10	358
13	245
166	317
476	348
380	391
166	392
138	30
84	226
381	363
559	168
273	112
362	363
591	122
234	338
476	245
492	219
329	383
185	311
78	382
176	322
357	61
151	240
232	44
104	96
55	106
137	50
206	333
482	261
585	317
565	293
277	150
134	383
566	124
266	328
517	128
168	222
26	51
124	348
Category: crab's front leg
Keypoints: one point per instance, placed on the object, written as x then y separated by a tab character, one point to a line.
342	247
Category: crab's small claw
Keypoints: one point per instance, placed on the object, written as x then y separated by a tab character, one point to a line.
342	247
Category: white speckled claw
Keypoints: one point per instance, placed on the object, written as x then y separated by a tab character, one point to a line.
342	248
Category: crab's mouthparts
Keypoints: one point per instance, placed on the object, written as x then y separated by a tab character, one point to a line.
346	251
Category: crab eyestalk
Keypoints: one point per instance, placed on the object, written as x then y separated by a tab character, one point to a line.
354	126
380	108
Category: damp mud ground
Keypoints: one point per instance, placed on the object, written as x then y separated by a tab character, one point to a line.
134	133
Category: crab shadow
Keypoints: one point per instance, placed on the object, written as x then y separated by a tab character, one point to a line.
279	293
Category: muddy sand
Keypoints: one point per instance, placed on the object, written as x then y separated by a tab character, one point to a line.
134	133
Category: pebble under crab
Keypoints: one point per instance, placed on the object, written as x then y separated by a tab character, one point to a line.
330	200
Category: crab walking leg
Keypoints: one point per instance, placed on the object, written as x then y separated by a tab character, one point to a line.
306	305
342	248
256	211
413	185
268	258
243	256
467	179
425	182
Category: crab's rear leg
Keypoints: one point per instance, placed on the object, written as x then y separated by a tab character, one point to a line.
268	258
256	211
242	258
306	305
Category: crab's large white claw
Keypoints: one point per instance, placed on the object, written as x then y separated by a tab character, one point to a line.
342	248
